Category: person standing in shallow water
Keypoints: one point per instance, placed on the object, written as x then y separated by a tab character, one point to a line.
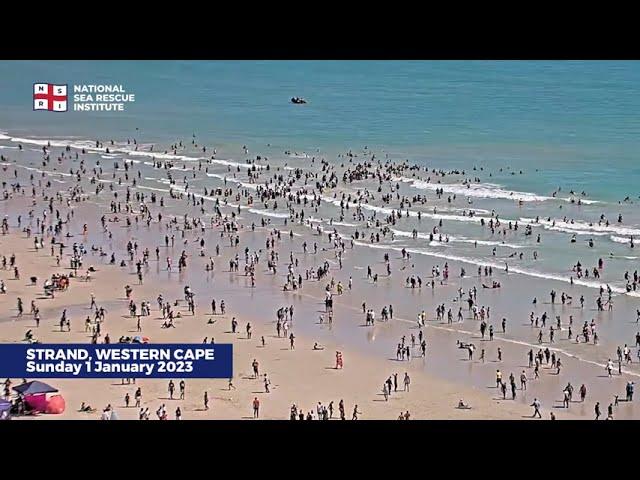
583	392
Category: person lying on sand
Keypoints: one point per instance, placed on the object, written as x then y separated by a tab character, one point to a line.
462	406
86	408
317	346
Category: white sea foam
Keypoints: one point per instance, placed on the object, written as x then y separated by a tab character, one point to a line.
153	188
268	213
484	190
616	239
48	172
518	270
487	190
229	163
345	224
454	239
413	213
584	228
251	186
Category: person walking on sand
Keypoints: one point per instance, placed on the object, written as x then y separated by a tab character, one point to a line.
356	412
536	408
597	410
171	389
256	407
291	341
407	382
138	397
182	389
610	412
206	400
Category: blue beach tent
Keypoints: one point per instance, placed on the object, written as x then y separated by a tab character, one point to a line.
5	409
34	388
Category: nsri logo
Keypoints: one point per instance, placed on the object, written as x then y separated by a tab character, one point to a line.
47	96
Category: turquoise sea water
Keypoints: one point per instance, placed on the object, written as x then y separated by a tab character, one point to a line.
578	122
568	125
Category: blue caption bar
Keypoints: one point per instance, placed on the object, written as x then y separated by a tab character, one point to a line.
118	360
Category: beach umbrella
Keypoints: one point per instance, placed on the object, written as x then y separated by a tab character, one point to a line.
34	388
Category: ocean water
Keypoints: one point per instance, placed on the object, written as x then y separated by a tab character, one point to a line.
564	125
577	122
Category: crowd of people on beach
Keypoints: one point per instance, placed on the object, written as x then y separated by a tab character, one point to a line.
364	189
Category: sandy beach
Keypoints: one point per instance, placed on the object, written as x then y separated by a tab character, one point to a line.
266	215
